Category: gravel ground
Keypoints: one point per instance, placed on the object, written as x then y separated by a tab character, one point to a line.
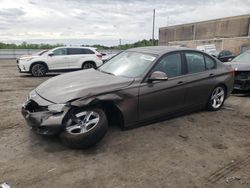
203	149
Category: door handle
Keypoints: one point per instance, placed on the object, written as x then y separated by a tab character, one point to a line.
180	82
211	74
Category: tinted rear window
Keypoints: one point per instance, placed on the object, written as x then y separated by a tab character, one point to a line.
210	63
195	62
75	51
170	64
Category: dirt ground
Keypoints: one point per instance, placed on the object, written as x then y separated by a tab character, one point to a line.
203	149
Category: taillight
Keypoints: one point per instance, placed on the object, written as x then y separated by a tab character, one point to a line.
99	56
232	71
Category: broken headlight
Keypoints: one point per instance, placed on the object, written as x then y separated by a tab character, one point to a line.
56	108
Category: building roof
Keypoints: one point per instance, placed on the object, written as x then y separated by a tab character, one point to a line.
206	21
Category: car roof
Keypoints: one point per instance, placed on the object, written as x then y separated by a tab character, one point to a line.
159	50
84	47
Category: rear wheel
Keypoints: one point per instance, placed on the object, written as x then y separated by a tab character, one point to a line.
84	128
217	98
38	70
88	65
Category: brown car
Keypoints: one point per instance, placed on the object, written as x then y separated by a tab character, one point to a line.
135	87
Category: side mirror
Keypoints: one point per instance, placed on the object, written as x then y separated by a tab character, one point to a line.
51	54
158	76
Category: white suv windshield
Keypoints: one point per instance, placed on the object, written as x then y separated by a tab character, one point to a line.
128	64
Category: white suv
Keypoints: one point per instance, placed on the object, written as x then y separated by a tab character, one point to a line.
60	59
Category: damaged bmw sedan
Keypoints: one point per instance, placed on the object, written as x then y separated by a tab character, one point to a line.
137	86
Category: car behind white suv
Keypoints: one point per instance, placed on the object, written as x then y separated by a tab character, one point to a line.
61	59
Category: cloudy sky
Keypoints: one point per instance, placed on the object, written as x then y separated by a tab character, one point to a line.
103	21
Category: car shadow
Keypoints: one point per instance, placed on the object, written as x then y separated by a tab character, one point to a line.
47	75
242	95
53	144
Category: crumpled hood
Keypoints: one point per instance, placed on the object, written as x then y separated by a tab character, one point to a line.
240	66
85	83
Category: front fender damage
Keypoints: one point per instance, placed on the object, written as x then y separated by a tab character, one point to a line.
96	99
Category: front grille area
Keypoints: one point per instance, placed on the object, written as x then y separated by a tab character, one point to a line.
32	106
242	75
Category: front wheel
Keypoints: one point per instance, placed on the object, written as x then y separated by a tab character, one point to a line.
84	128
38	70
217	98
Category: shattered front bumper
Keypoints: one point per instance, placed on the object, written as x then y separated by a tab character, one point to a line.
242	81
242	85
41	119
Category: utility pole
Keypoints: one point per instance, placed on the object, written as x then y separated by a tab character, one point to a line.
153	33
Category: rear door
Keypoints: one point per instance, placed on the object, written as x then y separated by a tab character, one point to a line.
162	97
59	59
74	55
78	56
200	77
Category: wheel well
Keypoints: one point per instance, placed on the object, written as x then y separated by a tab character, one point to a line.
89	62
113	113
223	85
38	62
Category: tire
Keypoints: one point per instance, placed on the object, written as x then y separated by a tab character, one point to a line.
217	98
38	70
88	65
79	135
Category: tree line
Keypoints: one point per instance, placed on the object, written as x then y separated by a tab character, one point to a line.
25	45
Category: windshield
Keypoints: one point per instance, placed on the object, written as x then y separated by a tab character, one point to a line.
243	58
213	52
128	64
40	52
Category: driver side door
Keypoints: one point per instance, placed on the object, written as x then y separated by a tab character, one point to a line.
159	98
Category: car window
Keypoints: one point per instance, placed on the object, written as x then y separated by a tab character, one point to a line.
227	53
222	54
210	63
77	51
74	51
60	51
170	64
195	62
128	64
87	51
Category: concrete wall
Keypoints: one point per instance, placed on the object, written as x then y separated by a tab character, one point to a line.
230	33
237	26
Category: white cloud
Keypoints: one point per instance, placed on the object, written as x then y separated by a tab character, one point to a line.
100	21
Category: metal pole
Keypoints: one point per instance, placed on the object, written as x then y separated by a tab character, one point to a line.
153	34
249	30
194	32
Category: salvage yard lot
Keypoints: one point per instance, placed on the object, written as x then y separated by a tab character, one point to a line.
202	149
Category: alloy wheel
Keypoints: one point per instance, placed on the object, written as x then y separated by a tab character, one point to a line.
38	70
88	66
83	122
217	97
